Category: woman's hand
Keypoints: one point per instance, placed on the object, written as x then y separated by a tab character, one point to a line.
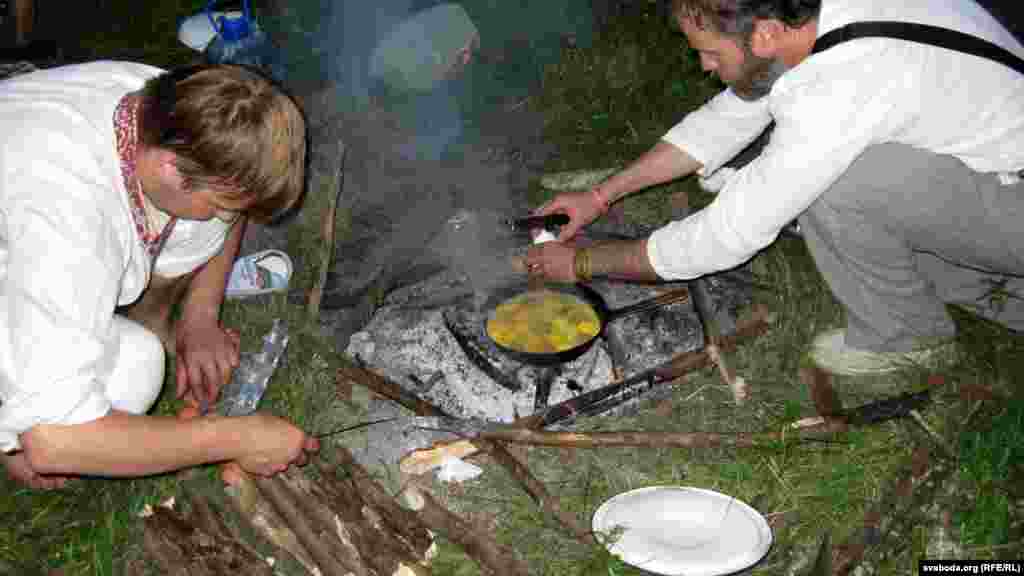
207	353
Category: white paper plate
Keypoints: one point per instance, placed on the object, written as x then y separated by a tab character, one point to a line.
681	531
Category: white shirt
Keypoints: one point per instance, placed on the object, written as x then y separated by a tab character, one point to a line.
828	110
69	252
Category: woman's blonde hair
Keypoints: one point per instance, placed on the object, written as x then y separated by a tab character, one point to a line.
232	130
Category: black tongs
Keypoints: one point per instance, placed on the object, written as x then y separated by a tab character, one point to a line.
551	222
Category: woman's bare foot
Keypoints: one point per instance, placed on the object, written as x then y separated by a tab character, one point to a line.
19	470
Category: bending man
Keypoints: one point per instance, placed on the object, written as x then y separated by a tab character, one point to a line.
126	189
900	160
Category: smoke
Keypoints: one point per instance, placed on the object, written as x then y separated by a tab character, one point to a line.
428	169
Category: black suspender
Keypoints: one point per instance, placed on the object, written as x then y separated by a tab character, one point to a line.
922	34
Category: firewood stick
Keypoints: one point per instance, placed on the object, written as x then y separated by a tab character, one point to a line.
250	505
659	439
390	539
422	461
314	505
539	493
492	557
404	522
327	224
273	489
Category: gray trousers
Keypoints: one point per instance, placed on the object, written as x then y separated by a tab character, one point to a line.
904	231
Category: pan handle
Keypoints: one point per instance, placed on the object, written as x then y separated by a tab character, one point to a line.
678	295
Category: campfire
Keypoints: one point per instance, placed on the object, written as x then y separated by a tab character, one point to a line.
430	338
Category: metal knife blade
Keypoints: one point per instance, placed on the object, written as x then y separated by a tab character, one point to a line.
533	222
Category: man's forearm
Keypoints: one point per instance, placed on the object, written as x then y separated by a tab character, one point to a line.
662	163
206	290
121	444
623	260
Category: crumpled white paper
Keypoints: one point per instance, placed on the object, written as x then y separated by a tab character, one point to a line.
457	470
544	236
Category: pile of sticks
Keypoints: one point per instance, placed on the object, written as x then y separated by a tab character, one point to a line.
341	522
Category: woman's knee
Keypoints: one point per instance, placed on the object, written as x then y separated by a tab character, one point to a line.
138	372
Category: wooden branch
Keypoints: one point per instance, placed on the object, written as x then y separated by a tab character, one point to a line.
386	388
659	439
819	384
539	493
328	223
493	558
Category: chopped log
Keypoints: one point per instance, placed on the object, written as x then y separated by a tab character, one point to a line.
403	522
539	493
493	558
260	514
181	548
275	491
315	502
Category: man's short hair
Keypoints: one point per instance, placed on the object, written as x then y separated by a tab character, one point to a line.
231	130
735	18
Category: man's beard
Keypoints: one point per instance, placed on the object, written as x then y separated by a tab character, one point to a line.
757	76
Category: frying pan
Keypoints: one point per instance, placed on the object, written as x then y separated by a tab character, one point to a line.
581	292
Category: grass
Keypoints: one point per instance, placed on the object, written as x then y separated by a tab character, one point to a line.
603	106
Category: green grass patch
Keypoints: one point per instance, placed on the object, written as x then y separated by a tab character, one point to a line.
990	460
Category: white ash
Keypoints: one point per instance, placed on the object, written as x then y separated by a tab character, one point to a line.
414	346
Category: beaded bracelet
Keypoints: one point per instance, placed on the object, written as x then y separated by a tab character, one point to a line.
581	265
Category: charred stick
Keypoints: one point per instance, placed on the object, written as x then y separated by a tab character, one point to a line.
543	391
680	206
390	390
477	358
682	364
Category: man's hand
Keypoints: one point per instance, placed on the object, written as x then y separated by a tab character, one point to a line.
273	444
207	353
581	207
19	470
553	261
